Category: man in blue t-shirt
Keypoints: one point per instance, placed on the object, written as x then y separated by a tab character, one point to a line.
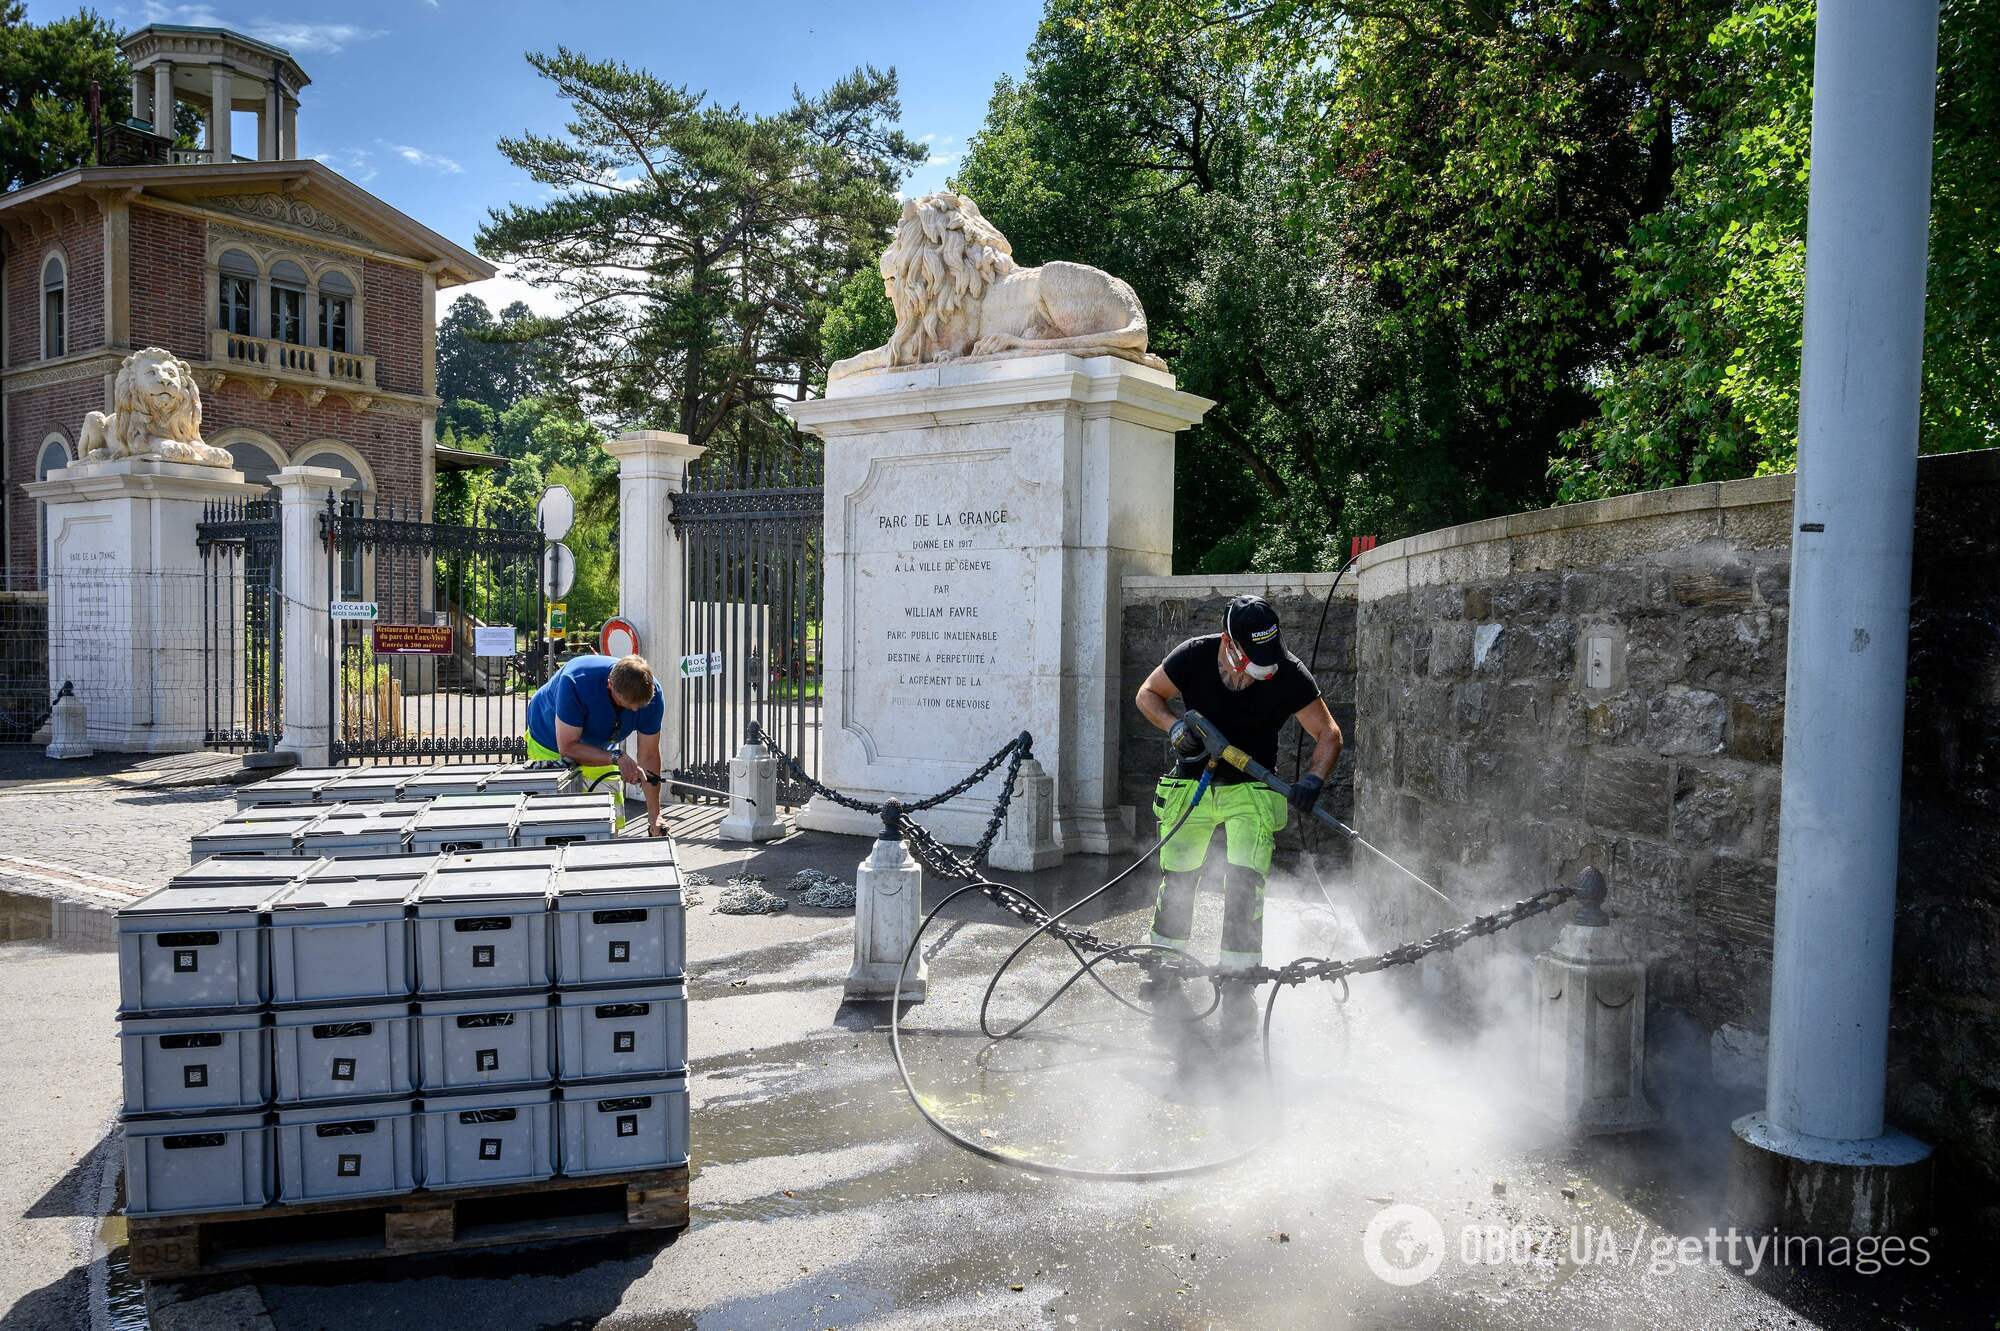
586	710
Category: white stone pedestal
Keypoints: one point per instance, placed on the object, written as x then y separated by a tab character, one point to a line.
979	517
69	732
128	607
1027	840
888	908
311	717
1590	1038
753	797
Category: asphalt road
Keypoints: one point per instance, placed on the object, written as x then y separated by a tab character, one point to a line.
820	1199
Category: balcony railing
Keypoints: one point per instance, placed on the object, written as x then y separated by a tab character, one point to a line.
188	156
265	357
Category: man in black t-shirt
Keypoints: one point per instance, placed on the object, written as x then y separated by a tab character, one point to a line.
1246	684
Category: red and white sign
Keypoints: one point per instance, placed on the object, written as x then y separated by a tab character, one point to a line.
619	638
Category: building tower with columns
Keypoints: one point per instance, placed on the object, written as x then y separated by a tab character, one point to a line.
306	305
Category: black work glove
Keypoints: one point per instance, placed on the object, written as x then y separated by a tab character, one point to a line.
1185	740
1305	794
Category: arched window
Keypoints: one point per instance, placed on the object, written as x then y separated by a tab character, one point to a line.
336	311
236	293
288	302
55	307
53	458
354	500
257	458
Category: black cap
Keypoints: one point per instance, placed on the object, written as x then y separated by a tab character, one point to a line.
1252	625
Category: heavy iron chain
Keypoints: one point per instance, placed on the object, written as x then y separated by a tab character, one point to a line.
948	864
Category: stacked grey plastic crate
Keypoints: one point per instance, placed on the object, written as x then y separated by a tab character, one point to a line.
437	822
372	1025
404	781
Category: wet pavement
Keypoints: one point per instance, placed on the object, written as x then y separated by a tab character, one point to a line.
820	1199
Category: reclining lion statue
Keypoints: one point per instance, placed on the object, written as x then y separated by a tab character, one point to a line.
957	292
156	414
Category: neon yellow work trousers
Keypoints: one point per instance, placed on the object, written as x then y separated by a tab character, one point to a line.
1250	814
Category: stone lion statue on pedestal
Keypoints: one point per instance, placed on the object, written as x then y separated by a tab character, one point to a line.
958	292
156	414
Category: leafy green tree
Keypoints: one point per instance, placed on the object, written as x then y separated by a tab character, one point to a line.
46	71
1714	293
695	244
858	316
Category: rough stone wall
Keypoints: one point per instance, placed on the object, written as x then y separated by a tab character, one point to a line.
1159	613
1492	756
1944	1038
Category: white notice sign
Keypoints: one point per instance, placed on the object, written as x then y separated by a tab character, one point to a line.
367	610
694	667
493	642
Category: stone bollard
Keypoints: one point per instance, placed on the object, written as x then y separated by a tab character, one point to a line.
68	736
888	907
1027	840
1590	1033
753	796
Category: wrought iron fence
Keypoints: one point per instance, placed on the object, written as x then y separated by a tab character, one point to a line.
240	611
751	619
439	633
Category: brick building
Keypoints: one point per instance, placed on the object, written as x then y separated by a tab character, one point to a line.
306	305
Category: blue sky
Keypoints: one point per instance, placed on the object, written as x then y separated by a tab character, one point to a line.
408	96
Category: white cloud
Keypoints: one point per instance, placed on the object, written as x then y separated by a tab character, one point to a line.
941	159
502	291
298	38
437	162
357	164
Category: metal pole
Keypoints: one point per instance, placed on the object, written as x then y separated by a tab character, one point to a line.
1874	94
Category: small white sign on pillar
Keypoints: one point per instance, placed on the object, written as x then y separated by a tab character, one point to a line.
753	797
888	908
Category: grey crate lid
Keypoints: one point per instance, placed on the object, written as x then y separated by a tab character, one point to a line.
653	1083
536	1001
515	1099
591	802
451	778
269	815
484	886
620	878
545	781
329	893
624	850
511	857
245	869
664	991
435	819
339	1014
130	1025
504	800
367	814
353	1113
206	899
177	1126
403	868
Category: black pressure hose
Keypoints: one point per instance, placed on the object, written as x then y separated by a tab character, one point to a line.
1086	967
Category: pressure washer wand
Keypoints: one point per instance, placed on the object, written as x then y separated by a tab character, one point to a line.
1222	750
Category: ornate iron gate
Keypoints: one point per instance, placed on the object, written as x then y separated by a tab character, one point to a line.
751	619
242	621
457	644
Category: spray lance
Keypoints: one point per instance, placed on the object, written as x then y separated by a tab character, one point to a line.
1221	750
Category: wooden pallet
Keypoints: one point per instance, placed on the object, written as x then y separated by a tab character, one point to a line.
444	1221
